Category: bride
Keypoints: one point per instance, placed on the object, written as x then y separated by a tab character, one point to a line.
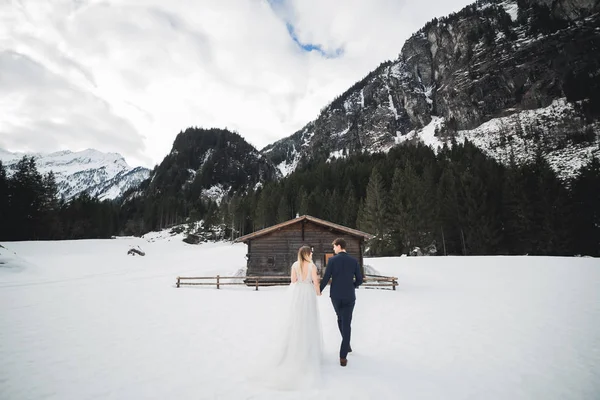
294	361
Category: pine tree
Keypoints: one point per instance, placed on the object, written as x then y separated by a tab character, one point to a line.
5	213
302	202
375	214
413	209
516	213
51	224
283	210
360	215
234	216
27	199
479	218
448	213
325	211
193	220
586	209
315	204
211	218
399	214
333	206
349	206
260	211
50	200
426	208
549	200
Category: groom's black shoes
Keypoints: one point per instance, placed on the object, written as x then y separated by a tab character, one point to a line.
343	362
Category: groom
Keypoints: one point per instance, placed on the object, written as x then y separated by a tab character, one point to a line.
342	269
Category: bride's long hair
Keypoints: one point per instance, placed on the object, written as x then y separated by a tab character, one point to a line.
304	255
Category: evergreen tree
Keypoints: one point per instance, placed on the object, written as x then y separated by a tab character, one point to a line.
5	212
27	199
549	200
516	213
326	211
360	215
315	204
413	209
302	202
448	213
260	211
50	190
51	224
212	218
585	228
194	219
234	215
375	214
349	206
283	210
479	218
399	214
333	206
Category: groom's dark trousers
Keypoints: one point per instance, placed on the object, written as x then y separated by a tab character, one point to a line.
344	272
343	308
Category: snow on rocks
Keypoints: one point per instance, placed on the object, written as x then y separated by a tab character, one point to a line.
426	135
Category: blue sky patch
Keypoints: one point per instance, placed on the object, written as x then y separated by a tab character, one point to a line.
308	47
278	7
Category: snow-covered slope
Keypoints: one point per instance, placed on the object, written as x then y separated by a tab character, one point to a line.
91	322
105	175
550	131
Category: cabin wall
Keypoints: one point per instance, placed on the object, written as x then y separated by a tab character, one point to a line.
275	252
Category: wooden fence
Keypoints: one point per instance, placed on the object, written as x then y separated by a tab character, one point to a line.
369	281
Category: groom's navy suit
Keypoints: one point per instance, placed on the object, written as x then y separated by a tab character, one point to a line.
342	269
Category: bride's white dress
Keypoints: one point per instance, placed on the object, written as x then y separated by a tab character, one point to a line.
293	361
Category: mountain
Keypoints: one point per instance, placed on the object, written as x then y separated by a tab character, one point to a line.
209	164
516	78
105	175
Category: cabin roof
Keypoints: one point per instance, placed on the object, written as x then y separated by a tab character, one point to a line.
341	228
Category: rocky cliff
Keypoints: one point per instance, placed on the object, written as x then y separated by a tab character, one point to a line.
209	164
515	77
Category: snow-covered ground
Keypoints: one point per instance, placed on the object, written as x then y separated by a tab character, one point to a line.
82	320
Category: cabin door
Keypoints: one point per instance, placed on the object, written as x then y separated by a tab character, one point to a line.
326	257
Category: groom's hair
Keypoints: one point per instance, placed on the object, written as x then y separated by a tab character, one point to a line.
340	242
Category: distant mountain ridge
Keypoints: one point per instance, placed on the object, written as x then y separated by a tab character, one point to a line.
102	175
205	169
210	164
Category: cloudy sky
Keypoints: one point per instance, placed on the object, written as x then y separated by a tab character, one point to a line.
126	76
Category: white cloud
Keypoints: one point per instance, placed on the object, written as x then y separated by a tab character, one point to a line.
127	76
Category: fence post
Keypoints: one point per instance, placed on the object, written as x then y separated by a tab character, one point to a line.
177	281
257	283
394	283
218	281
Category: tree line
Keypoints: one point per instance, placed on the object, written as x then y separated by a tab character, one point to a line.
31	209
458	201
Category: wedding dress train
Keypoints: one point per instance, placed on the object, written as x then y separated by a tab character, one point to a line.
293	361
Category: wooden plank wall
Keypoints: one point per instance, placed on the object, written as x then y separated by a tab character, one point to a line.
282	247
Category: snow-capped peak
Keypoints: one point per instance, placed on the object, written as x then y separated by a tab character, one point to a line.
106	175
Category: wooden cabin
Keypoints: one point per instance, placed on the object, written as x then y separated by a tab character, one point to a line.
273	250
